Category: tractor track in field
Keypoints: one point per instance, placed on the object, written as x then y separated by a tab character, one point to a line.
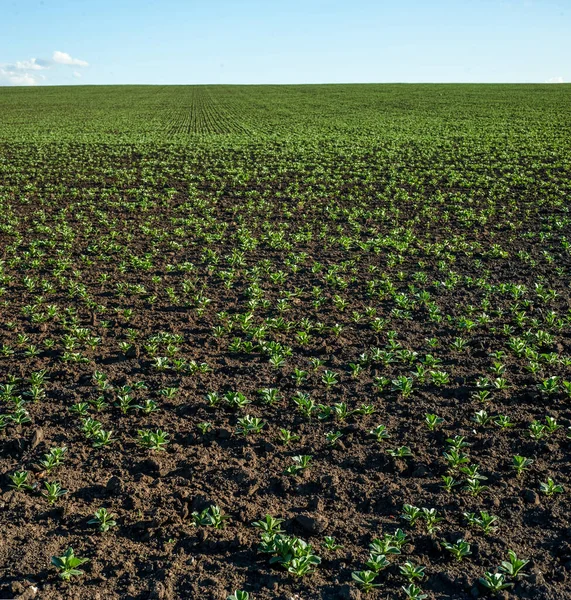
201	113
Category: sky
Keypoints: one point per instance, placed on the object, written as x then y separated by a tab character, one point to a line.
65	42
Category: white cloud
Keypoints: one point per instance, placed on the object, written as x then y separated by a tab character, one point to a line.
31	65
10	76
555	80
63	58
23	72
27	72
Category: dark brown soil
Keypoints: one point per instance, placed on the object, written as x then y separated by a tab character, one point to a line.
173	204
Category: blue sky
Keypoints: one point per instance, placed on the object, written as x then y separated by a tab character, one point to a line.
54	42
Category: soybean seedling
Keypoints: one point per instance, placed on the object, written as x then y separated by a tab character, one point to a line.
431	517
53	458
68	563
153	440
249	424
80	409
53	492
432	421
285	436
456	458
210	517
330	544
103	438
303	565
448	482
204	427
413	592
514	565
474	486
239	595
301	463
389	544
401	452
521	464
504	422
148	406
377	562
494	582
103	519
411	514
332	437
412	571
269	525
365	580
294	554
549	488
20	481
458	550
485	521
380	432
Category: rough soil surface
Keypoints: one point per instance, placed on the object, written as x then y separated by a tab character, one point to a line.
353	491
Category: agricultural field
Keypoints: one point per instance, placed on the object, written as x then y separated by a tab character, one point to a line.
285	342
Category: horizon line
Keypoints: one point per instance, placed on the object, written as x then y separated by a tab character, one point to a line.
323	83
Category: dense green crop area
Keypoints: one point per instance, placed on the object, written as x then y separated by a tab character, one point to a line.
181	114
285	341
